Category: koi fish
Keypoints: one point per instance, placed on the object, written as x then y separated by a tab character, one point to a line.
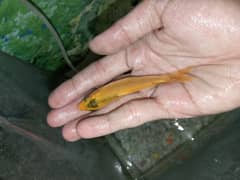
122	87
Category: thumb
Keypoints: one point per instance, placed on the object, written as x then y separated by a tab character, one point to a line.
145	18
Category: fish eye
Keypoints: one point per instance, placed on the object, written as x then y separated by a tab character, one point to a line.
92	103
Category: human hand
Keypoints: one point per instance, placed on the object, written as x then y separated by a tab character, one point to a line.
158	36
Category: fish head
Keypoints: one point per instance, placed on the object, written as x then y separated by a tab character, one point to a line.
89	104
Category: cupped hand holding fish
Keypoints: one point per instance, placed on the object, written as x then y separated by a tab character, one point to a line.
158	37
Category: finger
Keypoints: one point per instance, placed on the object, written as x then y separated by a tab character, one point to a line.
129	115
59	117
70	133
96	74
142	20
62	116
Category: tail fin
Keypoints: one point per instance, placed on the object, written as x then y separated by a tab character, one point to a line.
180	75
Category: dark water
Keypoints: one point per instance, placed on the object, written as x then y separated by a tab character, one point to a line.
218	159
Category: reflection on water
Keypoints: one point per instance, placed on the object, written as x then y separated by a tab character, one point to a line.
141	149
185	133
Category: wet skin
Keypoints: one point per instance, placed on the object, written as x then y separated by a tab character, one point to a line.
157	37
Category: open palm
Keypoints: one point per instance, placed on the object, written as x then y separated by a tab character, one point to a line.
158	36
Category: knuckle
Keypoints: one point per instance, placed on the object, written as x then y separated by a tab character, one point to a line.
100	69
75	82
126	35
127	58
137	56
108	124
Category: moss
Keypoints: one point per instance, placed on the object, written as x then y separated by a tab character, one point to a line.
25	36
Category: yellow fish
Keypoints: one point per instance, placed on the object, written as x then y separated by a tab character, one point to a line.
108	93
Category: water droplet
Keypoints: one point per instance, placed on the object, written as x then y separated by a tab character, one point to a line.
129	165
179	127
118	167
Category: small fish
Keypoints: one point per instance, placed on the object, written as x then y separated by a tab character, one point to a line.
122	87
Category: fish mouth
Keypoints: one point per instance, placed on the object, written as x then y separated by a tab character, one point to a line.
82	106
